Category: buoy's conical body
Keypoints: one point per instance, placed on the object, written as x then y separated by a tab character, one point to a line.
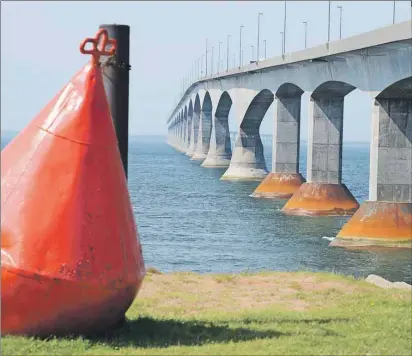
71	257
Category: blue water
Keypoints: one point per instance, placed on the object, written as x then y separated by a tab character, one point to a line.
189	220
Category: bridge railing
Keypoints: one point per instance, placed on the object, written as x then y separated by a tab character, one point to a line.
266	139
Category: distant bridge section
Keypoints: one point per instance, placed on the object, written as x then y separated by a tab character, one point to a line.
379	63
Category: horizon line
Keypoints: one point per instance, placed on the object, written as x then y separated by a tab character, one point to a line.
164	136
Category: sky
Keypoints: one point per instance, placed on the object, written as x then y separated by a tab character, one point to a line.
40	49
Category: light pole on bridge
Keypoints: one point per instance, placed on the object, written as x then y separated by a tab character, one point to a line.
206	60
253	52
218	61
306	32
194	72
227	55
212	61
281	33
340	22
265	47
329	23
284	32
201	72
394	10
240	46
258	35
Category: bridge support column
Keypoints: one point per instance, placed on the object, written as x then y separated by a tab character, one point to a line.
220	152
203	138
184	145
183	138
172	136
179	136
175	136
285	179
194	134
169	136
188	132
324	193
248	161
386	218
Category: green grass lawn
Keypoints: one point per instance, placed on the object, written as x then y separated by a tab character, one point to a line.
248	314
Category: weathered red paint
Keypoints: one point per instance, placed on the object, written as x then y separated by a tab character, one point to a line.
378	223
318	199
279	185
71	256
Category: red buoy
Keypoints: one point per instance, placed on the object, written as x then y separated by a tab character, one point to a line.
71	259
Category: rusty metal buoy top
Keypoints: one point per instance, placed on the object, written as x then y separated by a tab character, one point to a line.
100	44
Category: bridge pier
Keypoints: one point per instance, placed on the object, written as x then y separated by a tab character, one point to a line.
184	146
177	136
189	129
180	135
193	134
173	135
386	218
183	142
324	193
204	131
285	179
248	161
169	136
220	151
195	130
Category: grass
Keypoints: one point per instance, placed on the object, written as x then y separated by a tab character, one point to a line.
268	313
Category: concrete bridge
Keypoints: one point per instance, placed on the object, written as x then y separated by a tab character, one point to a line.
377	62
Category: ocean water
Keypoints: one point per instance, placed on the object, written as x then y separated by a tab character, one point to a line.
189	220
